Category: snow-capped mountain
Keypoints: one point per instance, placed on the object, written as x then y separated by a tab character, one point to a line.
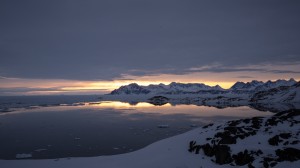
270	85
237	86
255	94
246	86
255	86
285	94
172	88
132	88
261	86
191	87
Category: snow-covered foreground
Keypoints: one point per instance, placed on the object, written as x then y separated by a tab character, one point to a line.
173	152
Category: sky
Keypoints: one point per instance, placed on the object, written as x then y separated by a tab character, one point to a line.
93	47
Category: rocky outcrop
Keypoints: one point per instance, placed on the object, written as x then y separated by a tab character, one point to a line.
278	131
158	100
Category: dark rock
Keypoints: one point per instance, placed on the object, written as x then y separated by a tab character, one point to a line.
285	135
232	130
209	125
280	113
248	128
243	158
252	133
158	100
217	148
273	164
234	123
266	129
222	154
256	122
288	114
226	138
197	149
221	134
293	113
247	121
208	150
274	141
266	164
267	161
193	147
250	165
241	136
282	116
259	152
271	122
288	154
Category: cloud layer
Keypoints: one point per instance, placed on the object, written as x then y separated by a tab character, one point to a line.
103	40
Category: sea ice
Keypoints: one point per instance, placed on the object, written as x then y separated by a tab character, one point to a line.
23	155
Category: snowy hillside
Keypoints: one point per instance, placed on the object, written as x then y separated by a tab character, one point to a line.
255	142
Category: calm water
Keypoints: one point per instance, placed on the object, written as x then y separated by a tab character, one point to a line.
102	128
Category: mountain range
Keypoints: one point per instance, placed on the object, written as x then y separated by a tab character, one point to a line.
194	88
254	91
172	88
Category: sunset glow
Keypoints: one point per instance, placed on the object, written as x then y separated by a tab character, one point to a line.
96	56
149	83
58	86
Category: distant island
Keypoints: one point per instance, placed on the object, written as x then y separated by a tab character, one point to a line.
241	93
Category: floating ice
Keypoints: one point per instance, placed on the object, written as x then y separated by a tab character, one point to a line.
23	155
40	150
163	126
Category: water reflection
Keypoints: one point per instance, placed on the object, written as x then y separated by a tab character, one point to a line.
118	104
144	107
103	128
276	107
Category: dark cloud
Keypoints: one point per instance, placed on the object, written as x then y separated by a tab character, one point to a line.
26	90
244	77
124	79
284	71
212	69
92	40
224	70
